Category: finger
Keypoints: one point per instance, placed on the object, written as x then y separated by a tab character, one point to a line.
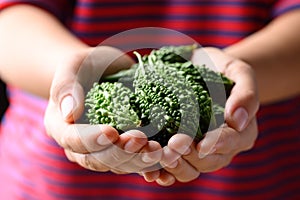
81	138
243	103
145	160
226	140
151	176
69	155
132	141
193	157
118	171
181	143
213	162
77	74
165	179
151	153
183	172
227	145
193	164
169	158
66	93
207	145
122	151
231	141
87	161
93	162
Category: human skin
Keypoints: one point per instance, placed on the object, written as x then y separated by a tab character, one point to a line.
273	53
36	67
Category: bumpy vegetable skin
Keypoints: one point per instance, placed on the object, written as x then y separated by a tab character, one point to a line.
163	94
111	103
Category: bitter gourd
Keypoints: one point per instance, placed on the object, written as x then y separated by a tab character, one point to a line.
164	93
169	104
111	103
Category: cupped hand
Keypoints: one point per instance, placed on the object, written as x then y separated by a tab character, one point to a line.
183	159
94	147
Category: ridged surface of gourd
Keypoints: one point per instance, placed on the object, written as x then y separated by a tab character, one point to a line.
163	94
111	103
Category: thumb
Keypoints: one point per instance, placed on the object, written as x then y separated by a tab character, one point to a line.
66	93
242	104
69	100
72	104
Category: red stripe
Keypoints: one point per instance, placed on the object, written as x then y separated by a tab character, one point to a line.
202	40
284	4
188	10
172	24
269	147
279	107
265	170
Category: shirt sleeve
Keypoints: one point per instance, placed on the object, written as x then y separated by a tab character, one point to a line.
283	6
59	8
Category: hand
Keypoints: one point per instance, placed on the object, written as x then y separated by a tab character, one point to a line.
94	147
184	160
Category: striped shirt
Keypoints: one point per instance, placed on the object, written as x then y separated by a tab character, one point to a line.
33	166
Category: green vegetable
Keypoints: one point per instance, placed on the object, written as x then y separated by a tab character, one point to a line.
171	54
163	94
111	103
216	79
167	100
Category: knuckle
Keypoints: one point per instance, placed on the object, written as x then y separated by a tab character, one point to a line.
227	143
58	90
88	161
116	157
119	156
183	172
251	95
72	143
64	142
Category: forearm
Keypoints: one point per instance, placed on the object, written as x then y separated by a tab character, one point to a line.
273	52
32	44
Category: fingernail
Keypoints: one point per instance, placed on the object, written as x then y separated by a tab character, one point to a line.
241	118
103	140
67	106
184	150
131	146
